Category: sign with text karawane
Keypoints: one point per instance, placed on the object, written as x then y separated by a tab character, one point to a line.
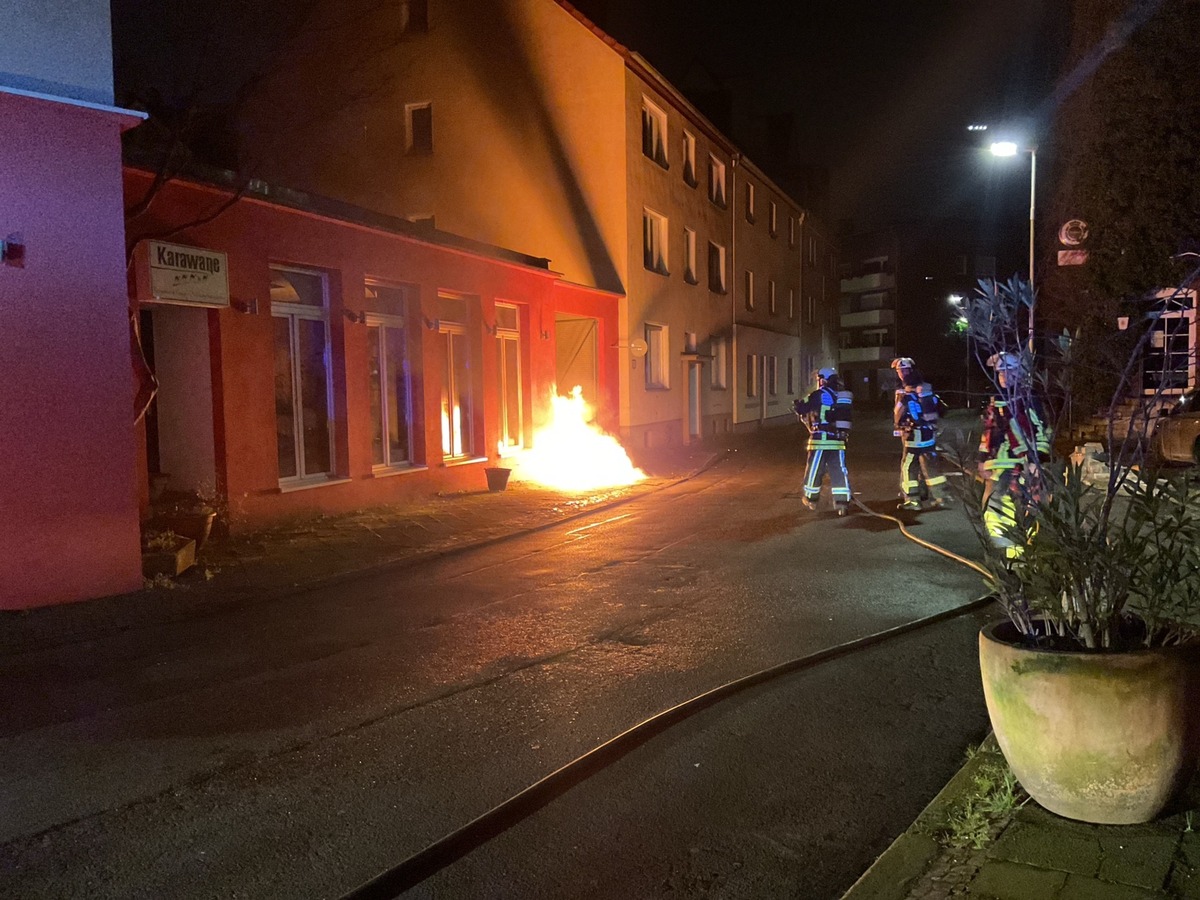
188	275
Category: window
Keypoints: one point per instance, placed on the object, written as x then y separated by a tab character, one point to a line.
810	310
654	132
689	158
791	303
419	118
303	383
689	257
508	383
458	394
414	16
749	203
720	363
657	372
772	307
752	375
773	375
812	250
716	181
387	360
772	218
654	241
792	231
749	289
716	268
791	375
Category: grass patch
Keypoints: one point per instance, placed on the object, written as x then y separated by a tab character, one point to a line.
992	796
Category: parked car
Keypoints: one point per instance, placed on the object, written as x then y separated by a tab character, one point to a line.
1176	436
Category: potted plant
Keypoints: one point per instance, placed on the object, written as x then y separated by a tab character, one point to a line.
187	513
1092	682
167	553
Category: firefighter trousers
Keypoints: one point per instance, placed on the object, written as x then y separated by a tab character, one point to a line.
921	474
832	462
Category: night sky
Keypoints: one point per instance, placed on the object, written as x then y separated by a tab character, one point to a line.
881	91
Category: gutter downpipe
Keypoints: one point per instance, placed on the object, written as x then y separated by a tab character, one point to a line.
731	286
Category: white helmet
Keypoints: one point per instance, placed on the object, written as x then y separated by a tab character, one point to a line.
903	362
827	372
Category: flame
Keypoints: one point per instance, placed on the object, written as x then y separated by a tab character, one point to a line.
573	454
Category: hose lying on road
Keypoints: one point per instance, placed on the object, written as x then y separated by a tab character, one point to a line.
926	544
447	850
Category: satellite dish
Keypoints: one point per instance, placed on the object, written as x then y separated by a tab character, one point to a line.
638	348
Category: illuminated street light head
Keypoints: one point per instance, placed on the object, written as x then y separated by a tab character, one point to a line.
1004	148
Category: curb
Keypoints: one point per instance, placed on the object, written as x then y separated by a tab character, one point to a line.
896	871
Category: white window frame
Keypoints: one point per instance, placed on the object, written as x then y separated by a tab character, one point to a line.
751	375
689	256
749	289
791	303
772	304
509	336
792	231
772	218
658	369
689	159
750	202
654	241
720	363
810	310
773	376
294	312
716	182
654	133
722	258
382	322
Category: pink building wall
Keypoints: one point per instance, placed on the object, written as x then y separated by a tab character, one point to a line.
68	491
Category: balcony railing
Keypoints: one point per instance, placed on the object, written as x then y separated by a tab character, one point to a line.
876	281
866	354
868	317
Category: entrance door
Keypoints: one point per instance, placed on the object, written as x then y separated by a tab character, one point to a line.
695	427
577	361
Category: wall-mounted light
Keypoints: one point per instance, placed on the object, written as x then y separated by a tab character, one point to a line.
358	317
247	307
431	324
490	329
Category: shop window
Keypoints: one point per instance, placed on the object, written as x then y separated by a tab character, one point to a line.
303	382
508	382
458	392
390	378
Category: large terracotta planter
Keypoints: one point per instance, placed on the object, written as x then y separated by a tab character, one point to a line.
1109	738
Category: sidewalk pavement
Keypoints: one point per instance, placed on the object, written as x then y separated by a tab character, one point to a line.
313	552
1029	853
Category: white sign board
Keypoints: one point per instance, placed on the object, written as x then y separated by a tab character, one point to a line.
188	275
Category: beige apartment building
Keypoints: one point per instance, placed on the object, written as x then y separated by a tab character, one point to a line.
520	124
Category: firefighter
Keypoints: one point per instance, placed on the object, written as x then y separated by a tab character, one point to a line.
915	416
1014	442
826	412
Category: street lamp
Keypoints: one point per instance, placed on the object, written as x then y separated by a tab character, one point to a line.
1010	148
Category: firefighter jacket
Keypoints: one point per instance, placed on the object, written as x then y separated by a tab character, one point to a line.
1014	433
916	416
827	414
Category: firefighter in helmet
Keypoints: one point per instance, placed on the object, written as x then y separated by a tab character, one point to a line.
1014	441
826	413
915	417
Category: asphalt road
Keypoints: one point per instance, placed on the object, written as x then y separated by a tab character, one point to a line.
295	750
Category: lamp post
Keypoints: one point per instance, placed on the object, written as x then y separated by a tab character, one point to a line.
1009	148
961	325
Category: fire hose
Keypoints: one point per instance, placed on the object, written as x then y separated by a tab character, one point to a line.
500	818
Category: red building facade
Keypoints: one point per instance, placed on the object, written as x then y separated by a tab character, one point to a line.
314	358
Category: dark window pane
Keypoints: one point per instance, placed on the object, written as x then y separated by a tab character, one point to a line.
285	408
314	397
